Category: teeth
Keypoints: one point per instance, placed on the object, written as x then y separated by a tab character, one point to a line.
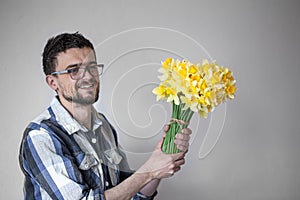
87	86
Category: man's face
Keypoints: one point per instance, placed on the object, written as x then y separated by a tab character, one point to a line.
84	91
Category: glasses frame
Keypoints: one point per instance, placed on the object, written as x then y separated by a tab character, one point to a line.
86	68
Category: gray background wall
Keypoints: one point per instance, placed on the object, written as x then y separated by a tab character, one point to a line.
257	154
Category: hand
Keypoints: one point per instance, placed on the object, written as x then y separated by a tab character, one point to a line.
161	165
182	139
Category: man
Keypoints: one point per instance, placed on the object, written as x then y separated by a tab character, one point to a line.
71	151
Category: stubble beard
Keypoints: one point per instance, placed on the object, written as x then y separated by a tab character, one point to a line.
79	99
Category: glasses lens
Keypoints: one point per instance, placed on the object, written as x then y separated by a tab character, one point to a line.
75	72
93	69
78	72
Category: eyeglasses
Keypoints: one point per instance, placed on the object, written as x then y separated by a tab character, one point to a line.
77	71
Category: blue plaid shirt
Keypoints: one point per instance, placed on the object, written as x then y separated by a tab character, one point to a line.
59	161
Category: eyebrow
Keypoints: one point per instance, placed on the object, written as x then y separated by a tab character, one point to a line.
73	65
78	64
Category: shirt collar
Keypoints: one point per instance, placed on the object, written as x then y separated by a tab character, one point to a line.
96	121
70	124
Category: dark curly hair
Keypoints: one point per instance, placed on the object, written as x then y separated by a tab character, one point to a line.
61	43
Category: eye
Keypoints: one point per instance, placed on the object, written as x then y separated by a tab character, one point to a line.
93	68
73	70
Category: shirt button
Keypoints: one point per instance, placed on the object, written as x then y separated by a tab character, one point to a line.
106	184
94	140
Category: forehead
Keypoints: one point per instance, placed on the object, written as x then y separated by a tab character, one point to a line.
74	56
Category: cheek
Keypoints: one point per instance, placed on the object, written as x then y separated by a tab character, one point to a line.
66	88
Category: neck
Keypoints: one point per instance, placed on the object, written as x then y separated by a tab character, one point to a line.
82	113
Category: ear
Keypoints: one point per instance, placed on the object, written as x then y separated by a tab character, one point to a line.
52	82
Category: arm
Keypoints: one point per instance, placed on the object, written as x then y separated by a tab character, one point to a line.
182	141
158	166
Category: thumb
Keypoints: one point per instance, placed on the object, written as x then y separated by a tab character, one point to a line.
159	144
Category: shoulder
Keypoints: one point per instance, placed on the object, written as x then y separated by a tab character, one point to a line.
43	116
36	135
36	129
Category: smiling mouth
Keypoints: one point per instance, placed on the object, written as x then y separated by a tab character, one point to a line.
86	86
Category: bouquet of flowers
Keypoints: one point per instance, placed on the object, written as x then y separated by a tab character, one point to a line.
191	88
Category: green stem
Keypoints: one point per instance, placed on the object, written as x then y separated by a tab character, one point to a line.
169	146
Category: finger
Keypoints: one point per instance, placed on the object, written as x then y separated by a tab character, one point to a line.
166	127
184	137
172	172
177	166
159	144
183	148
181	142
186	131
182	145
179	162
177	169
177	156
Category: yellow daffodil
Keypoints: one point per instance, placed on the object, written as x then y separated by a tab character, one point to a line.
167	63
172	96
160	92
199	87
193	69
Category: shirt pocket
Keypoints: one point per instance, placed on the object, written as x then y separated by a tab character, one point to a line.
113	156
112	160
88	162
